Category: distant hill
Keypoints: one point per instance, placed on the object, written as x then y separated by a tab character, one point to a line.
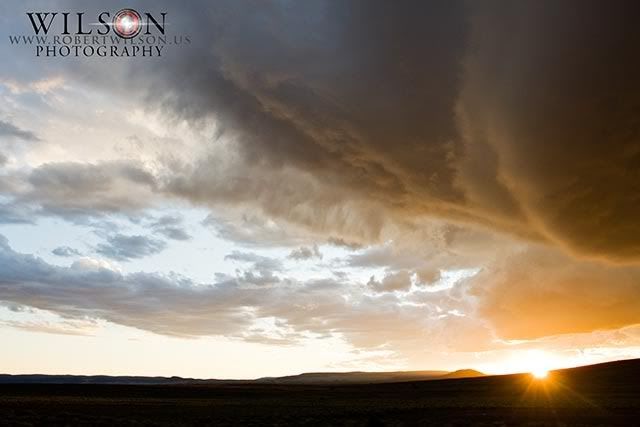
354	377
463	373
306	378
96	379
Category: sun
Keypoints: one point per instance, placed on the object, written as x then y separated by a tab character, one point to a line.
535	362
540	373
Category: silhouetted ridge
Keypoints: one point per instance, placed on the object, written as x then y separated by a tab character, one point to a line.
305	378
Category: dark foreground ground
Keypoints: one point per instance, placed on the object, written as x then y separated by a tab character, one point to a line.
599	395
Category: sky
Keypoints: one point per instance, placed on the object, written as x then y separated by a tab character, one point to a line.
323	186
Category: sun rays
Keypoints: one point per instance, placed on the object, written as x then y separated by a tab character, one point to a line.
540	373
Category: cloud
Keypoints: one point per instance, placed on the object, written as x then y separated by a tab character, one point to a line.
75	191
262	270
251	227
66	327
141	300
255	259
541	291
170	226
41	87
400	281
425	139
11	213
8	129
174	305
326	148
125	248
340	242
305	253
553	112
65	251
445	133
475	119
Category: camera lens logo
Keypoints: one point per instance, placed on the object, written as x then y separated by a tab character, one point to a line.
127	23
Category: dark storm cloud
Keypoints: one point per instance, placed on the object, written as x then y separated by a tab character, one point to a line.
292	86
316	112
125	248
385	113
8	129
556	112
520	117
469	112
